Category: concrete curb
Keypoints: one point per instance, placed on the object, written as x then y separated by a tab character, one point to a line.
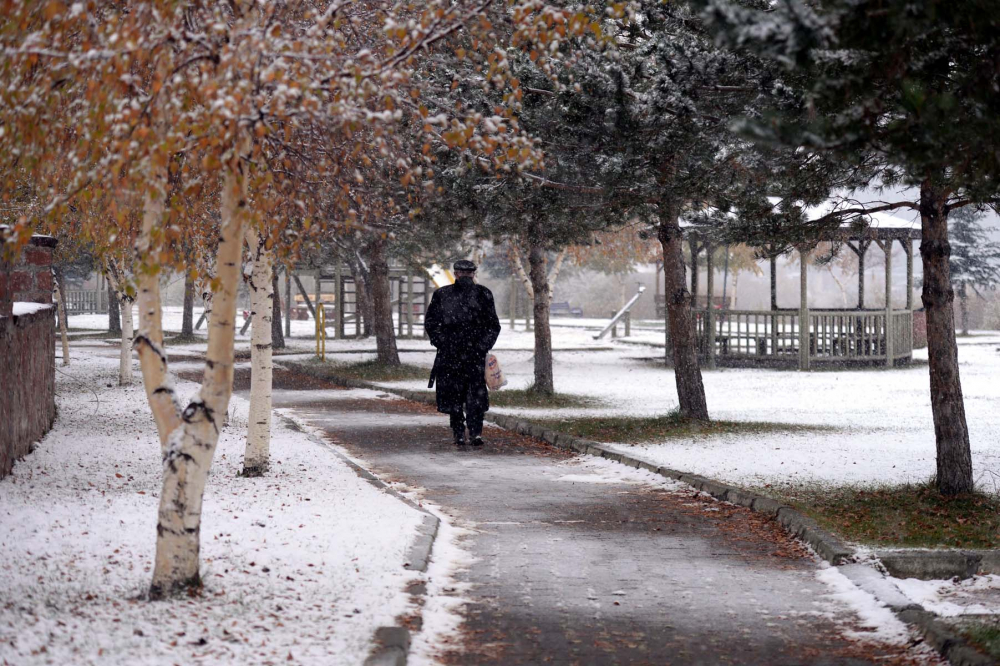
391	645
944	564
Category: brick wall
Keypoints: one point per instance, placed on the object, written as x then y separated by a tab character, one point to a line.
27	351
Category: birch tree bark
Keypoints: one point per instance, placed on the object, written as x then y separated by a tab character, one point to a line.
187	317
116	277
188	438
277	336
61	290
257	456
114	312
951	432
687	373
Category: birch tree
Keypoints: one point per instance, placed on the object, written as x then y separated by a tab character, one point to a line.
262	99
260	282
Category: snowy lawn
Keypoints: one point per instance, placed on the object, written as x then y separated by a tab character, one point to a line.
299	566
875	425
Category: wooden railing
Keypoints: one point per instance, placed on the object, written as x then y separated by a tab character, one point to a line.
88	301
834	335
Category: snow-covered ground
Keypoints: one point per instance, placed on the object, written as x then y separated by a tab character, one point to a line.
979	595
878	425
299	566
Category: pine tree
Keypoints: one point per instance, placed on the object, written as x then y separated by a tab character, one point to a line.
910	91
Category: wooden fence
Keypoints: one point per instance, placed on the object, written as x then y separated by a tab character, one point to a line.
834	335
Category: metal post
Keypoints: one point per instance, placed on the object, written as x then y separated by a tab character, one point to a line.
887	248
288	302
710	310
803	311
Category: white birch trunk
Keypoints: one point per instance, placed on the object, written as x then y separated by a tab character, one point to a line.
125	355
257	455
64	337
521	273
554	275
190	445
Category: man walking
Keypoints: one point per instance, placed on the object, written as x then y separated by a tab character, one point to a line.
462	323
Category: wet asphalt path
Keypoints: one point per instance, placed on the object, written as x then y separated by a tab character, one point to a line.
573	571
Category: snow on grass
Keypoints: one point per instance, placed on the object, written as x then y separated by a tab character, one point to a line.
879	623
300	566
979	595
881	426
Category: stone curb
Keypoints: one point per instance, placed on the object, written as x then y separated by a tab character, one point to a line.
945	640
391	645
939	564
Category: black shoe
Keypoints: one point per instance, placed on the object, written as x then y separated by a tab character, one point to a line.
460	441
477	441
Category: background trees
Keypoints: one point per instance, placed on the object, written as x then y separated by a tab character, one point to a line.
910	92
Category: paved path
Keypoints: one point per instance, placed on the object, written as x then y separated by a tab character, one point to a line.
581	572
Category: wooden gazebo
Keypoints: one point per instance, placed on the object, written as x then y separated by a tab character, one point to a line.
777	337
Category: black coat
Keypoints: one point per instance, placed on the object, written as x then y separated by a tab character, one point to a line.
462	323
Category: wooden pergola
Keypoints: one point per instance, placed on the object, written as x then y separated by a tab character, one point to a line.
335	288
806	336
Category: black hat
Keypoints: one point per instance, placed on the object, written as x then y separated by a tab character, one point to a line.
464	265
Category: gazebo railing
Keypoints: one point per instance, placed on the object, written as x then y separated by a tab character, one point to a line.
834	335
86	301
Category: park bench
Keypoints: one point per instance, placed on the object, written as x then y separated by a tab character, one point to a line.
563	308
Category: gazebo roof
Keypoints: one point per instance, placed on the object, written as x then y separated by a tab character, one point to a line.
882	226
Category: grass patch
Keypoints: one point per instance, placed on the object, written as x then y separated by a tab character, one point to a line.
984	636
912	515
373	371
634	429
531	398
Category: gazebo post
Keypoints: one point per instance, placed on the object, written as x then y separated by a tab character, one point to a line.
863	246
803	311
709	311
908	248
774	302
887	248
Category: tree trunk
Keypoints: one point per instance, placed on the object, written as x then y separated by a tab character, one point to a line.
963	295
690	388
363	302
61	287
114	312
544	382
385	334
261	283
125	355
954	458
187	318
277	336
188	439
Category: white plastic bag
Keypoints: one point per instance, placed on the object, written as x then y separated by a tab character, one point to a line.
494	375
